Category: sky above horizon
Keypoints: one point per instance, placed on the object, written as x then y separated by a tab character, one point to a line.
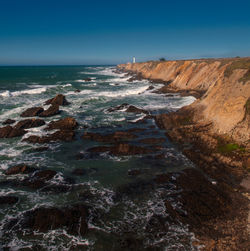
111	32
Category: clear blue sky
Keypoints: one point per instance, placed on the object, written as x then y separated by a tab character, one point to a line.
99	32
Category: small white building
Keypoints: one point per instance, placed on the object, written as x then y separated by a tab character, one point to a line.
133	60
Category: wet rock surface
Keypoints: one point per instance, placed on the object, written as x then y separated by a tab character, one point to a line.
32	112
19	169
29	123
8	122
51	111
59	99
11	132
127	108
63	124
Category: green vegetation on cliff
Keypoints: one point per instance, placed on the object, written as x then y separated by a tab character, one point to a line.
242	63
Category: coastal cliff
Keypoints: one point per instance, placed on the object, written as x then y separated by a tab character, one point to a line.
224	83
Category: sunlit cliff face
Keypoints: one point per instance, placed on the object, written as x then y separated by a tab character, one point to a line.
225	82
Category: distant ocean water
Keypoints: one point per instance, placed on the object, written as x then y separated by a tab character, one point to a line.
25	87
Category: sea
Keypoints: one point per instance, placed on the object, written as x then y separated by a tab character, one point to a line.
124	213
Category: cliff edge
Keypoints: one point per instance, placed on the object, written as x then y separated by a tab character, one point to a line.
224	83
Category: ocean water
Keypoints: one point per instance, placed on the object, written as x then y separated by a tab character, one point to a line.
112	221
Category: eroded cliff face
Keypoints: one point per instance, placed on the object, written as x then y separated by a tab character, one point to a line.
226	87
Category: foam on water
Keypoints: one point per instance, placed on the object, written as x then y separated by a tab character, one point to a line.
27	91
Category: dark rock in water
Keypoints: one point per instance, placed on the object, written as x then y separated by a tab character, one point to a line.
150	88
29	123
77	91
5	131
8	122
63	124
51	111
121	149
41	149
114	137
39	179
10	132
134	172
32	112
126	149
135	109
19	169
57	136
118	108
33	183
129	108
58	188
87	79
45	174
79	172
152	140
8	200
73	219
65	133
57	100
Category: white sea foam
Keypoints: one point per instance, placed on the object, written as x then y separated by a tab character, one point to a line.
27	91
177	104
83	80
87	73
122	93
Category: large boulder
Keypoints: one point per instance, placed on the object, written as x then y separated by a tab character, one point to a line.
63	124
10	132
29	123
51	111
57	100
19	169
135	109
32	112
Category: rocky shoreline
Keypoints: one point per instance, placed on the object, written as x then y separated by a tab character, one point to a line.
208	198
225	163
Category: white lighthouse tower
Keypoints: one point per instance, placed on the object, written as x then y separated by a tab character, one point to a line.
133	60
